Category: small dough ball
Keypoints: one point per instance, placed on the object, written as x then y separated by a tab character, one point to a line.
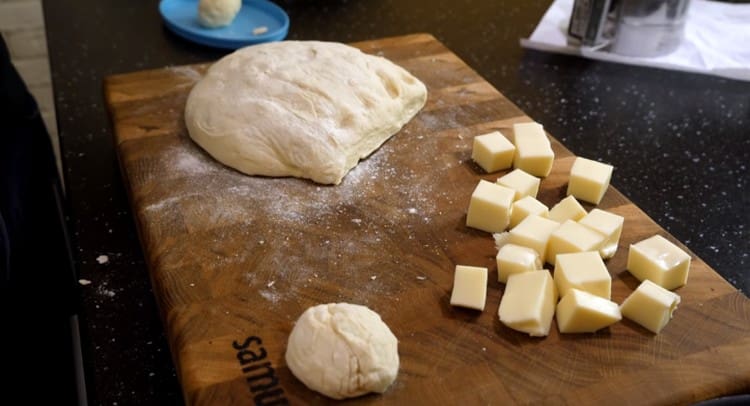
217	13
342	350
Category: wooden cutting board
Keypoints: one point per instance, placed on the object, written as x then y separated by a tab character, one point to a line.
235	259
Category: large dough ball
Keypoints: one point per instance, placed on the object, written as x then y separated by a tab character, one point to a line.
300	108
218	13
342	350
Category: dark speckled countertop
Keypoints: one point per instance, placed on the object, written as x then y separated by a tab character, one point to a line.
680	144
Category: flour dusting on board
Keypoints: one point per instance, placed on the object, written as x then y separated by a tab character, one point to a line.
280	198
188	72
189	162
292	230
269	295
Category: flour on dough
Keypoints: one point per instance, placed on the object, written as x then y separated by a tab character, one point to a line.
342	350
307	109
217	13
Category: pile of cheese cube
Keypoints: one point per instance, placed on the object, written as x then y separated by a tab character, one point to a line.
576	242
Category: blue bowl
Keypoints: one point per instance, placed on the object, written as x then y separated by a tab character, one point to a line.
181	17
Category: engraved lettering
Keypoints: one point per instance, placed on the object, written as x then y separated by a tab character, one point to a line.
260	377
247	356
269	398
263	381
245	343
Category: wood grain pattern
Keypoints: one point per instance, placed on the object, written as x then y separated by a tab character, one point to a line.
234	257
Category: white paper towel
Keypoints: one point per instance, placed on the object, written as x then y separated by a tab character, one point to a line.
717	40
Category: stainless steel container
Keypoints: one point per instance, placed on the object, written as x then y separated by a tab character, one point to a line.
589	22
649	27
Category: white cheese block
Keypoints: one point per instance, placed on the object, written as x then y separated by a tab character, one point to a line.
608	224
489	208
469	287
589	180
525	207
572	237
659	261
533	150
533	232
582	312
583	271
512	259
567	209
493	151
650	305
523	183
528	303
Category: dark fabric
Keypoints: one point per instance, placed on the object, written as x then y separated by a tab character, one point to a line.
38	285
15	107
33	251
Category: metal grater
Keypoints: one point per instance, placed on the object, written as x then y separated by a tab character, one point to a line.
589	22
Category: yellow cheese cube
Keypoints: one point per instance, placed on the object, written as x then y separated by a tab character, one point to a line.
650	305
528	303
493	151
582	312
533	232
659	261
584	271
512	258
533	150
489	208
469	287
567	209
520	181
572	237
589	179
608	224
525	207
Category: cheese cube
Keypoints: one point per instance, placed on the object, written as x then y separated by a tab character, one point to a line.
582	312
533	150
567	209
512	258
520	181
533	232
659	261
583	271
589	179
493	151
469	287
528	303
608	224
650	305
572	237
524	208
489	208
